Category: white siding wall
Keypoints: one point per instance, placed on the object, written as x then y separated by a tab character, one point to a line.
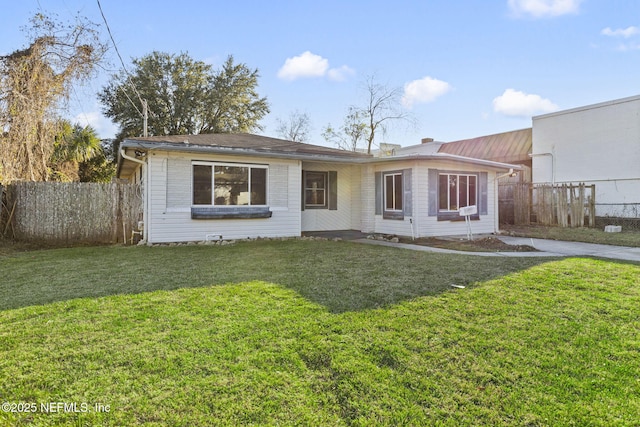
395	226
430	226
348	200
355	198
597	144
425	225
367	199
169	218
169	201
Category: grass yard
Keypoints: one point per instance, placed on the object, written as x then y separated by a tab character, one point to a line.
316	333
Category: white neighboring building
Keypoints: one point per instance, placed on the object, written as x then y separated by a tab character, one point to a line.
595	144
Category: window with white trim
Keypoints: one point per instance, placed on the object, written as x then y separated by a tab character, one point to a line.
229	184
456	191
393	192
315	189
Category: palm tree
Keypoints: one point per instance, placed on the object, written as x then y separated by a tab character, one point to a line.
73	144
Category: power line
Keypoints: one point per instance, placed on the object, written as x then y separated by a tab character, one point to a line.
129	77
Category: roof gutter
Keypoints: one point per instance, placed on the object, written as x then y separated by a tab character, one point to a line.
123	155
451	157
242	151
310	156
133	159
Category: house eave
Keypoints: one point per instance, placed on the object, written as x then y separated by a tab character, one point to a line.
499	166
237	151
266	153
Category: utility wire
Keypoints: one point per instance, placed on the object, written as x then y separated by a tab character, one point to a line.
123	66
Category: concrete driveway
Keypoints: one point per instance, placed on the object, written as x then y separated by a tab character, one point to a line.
546	248
563	248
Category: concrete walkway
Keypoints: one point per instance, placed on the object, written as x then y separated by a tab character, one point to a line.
547	248
576	248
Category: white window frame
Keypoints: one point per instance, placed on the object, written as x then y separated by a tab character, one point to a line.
242	165
457	175
325	191
393	186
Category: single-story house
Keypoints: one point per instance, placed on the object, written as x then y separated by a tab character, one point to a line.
232	186
594	144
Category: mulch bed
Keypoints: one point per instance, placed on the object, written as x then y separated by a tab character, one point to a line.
484	244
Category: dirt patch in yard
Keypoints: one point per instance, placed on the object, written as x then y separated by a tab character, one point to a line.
483	244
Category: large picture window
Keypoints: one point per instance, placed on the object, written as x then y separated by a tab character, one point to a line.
229	184
448	191
456	191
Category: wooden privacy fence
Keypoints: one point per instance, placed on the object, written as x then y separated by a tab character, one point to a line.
71	212
565	205
514	200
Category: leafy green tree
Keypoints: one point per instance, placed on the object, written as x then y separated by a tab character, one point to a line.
184	96
78	155
100	168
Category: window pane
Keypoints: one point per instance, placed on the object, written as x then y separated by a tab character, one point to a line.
462	191
314	197
443	192
201	185
315	188
453	192
472	190
388	189
316	180
398	192
258	186
231	185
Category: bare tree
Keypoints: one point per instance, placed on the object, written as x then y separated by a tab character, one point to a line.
34	85
380	108
296	127
350	134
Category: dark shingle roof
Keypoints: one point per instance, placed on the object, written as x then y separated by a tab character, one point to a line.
507	147
245	141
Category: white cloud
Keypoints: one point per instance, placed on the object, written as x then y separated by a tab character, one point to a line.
619	32
305	65
424	90
310	65
520	104
340	74
103	126
544	8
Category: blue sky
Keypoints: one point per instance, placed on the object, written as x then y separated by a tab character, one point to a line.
466	67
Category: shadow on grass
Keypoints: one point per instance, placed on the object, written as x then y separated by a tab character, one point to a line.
341	276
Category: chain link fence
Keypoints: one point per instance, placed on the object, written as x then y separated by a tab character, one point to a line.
626	215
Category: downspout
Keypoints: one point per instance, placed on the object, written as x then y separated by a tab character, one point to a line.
133	159
511	173
145	192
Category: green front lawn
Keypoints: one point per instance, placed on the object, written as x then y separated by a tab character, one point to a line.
317	333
